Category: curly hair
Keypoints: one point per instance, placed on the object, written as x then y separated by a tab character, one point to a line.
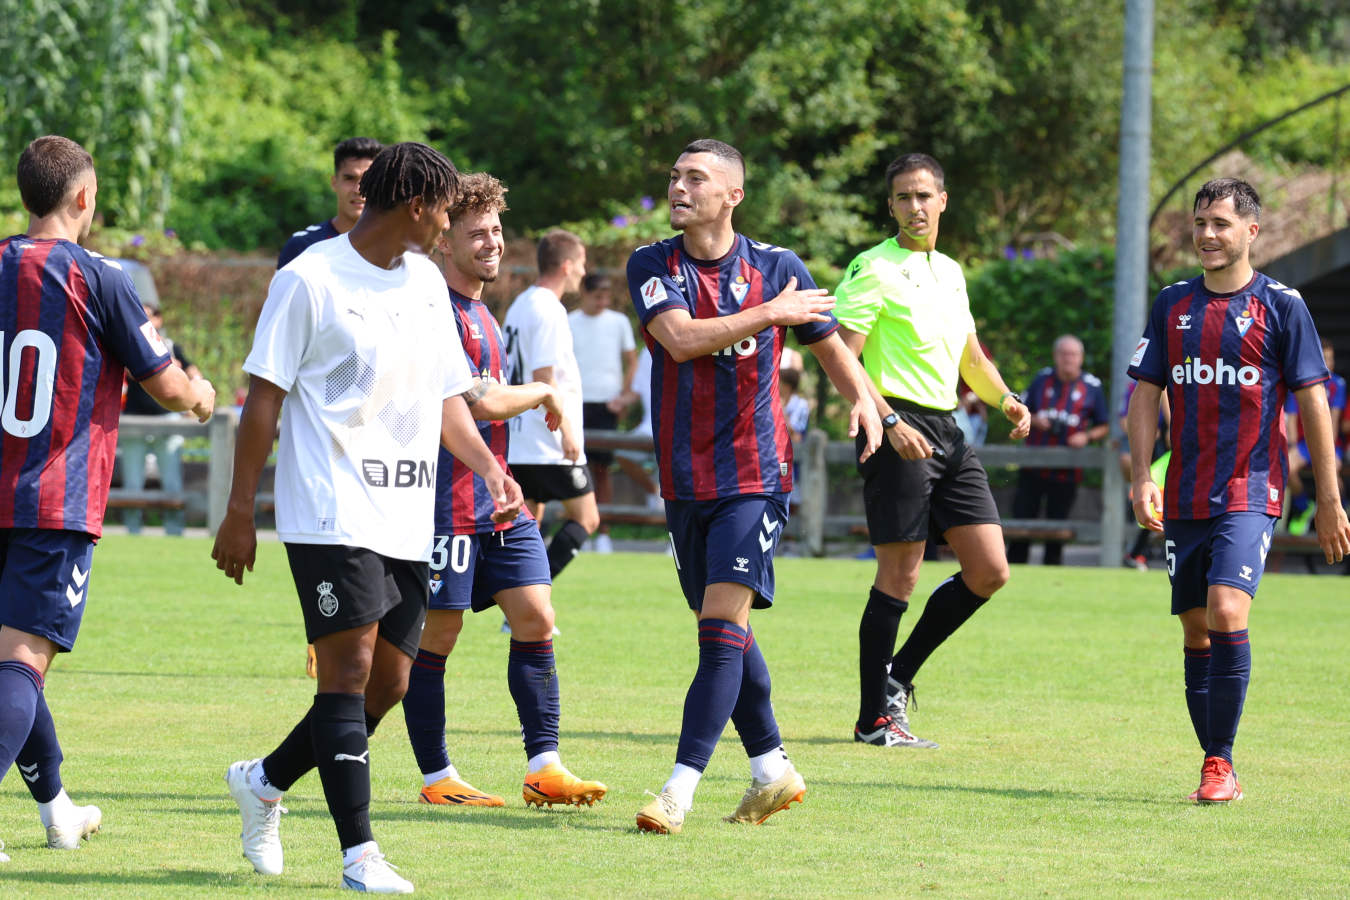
479	192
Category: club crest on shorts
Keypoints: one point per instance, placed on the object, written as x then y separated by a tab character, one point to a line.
578	477
328	601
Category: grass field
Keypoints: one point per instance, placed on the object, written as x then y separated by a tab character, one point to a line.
1066	752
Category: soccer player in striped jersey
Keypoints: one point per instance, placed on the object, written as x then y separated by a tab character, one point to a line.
71	323
476	561
1227	347
351	158
715	306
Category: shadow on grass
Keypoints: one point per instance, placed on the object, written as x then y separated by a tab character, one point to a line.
158	878
180	674
569	735
1011	793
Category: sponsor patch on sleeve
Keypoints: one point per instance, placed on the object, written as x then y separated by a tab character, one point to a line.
653	292
152	338
1139	351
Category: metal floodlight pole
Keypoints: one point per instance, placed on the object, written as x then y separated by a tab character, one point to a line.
1131	251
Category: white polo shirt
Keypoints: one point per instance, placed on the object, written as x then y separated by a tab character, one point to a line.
537	336
360	351
600	342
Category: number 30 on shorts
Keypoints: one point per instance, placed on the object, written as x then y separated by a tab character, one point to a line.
453	549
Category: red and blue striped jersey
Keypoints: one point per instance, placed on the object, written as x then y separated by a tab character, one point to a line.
1072	407
463	502
71	324
717	421
1227	362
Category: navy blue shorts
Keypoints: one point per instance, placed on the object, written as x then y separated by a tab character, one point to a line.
468	570
732	539
1229	549
44	581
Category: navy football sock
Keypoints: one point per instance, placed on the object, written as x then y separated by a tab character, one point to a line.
424	711
337	727
713	694
532	676
947	609
566	542
1197	692
1230	668
39	760
753	713
876	643
20	687
292	758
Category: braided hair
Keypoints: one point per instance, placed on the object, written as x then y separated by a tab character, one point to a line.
403	171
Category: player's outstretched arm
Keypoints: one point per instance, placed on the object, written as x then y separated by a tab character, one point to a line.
1141	425
1333	530
237	540
685	337
842	368
906	441
489	401
177	391
459	435
983	377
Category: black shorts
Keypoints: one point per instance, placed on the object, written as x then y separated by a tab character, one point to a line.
546	482
343	587
599	415
912	500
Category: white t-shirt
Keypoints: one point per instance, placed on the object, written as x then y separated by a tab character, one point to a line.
601	340
537	336
642	386
360	351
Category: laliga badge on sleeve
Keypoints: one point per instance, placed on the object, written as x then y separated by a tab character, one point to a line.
1139	352
653	292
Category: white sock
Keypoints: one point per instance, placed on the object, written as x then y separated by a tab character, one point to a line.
448	772
266	791
540	760
769	766
683	781
59	807
352	854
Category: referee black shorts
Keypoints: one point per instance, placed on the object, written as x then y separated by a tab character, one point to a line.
912	500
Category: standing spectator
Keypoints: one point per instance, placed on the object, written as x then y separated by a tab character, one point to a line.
1068	409
168	449
635	462
797	414
551	465
1302	507
76	316
1227	347
606	357
351	158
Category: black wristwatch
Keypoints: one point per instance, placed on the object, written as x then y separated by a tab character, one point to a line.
890	421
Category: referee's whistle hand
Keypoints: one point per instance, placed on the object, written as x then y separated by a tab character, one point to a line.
908	443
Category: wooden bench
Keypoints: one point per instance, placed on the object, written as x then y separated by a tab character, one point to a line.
119	498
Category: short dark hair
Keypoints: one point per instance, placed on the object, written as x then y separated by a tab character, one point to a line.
791	377
401	172
911	161
555	248
479	192
597	281
1245	199
355	148
47	169
719	149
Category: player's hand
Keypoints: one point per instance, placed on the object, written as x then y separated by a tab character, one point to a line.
1333	532
236	545
506	498
1077	439
864	413
206	399
571	450
794	307
1147	501
553	411
909	443
1019	415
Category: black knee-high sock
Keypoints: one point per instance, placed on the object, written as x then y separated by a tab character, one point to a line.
292	758
532	676
876	643
337	727
947	609
1197	692
753	714
39	759
567	540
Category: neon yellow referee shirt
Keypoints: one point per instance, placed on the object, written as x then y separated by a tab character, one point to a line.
914	310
